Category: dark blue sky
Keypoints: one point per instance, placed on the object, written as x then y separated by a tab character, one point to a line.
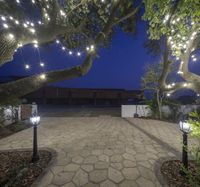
119	66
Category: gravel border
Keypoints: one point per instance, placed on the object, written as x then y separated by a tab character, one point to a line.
53	158
157	169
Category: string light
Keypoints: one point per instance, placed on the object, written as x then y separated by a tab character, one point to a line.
11	36
180	72
42	64
5	25
43	76
27	66
32	30
78	54
25	25
16	22
3	18
194	59
168	94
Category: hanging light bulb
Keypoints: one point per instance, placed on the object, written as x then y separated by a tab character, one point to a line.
16	22
41	64
11	36
32	30
5	25
3	18
43	76
27	66
168	94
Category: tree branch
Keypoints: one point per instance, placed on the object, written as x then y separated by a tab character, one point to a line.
24	86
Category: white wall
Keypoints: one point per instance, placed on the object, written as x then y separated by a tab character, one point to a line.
130	110
144	111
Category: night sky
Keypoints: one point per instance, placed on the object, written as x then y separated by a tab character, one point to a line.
119	66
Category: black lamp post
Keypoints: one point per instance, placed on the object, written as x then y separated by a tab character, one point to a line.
35	120
185	127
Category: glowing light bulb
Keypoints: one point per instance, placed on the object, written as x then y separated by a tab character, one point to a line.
18	1
35	41
70	53
32	30
92	47
41	64
57	41
3	18
35	45
78	54
25	25
27	66
62	13
11	36
168	94
5	25
16	22
43	76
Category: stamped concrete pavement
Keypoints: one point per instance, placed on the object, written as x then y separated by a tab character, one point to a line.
102	151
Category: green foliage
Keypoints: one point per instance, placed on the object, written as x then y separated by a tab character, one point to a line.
174	106
195	122
153	106
173	19
151	77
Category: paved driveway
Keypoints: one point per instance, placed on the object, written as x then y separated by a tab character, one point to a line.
102	151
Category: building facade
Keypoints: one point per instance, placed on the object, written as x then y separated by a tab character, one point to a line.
93	97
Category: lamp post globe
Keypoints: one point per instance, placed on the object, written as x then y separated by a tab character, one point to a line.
35	120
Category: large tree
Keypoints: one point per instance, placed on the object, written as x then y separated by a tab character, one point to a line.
74	23
176	24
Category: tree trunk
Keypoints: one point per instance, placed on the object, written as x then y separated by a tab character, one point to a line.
159	103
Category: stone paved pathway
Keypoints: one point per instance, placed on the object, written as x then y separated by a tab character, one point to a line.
102	151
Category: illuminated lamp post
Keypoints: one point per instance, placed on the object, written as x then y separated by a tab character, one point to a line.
35	120
185	127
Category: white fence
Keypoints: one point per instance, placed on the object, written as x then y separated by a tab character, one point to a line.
144	110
